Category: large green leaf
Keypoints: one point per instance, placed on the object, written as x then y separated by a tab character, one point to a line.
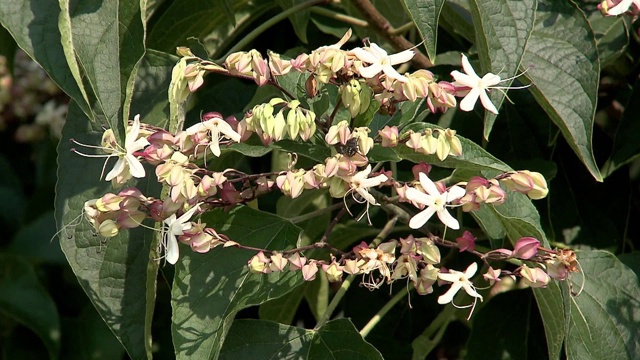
209	289
612	36
34	26
206	20
153	75
337	339
564	71
26	301
516	218
553	303
106	41
425	14
502	31
118	274
604	317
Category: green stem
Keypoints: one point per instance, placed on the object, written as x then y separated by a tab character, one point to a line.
385	309
339	16
315	213
269	23
402	29
335	301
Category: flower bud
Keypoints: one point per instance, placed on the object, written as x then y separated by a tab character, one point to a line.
259	263
526	248
309	271
389	136
534	277
466	242
296	262
277	65
429	251
333	271
108	228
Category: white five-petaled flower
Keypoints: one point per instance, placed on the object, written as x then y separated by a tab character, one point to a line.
622	7
435	203
361	182
478	86
126	156
218	128
176	227
379	61
459	280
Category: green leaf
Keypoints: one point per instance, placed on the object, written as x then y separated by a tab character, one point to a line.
425	14
205	20
502	31
209	289
516	218
284	308
603	321
118	274
153	75
626	148
255	339
107	39
379	154
299	20
553	304
315	152
612	36
473	156
34	26
26	301
565	73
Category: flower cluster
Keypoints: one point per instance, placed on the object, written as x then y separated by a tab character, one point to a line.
349	172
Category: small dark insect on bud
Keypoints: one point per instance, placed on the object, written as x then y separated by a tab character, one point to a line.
349	149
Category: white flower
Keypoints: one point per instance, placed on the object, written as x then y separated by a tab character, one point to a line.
459	280
219	129
478	86
622	7
380	61
176	227
126	157
361	182
435	202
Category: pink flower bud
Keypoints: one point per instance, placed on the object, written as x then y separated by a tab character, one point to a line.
389	136
526	248
296	262
333	271
534	277
309	271
259	263
467	242
109	202
492	275
278	262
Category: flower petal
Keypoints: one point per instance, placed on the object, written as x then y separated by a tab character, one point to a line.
419	219
401	57
419	197
622	7
135	166
428	185
466	66
461	79
393	74
448	296
377	51
455	192
470	99
172	250
371	70
486	102
447	219
364	55
118	168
